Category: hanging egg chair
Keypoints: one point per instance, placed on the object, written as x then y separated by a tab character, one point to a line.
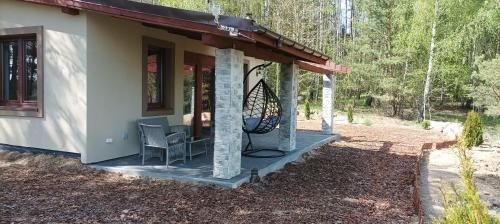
261	115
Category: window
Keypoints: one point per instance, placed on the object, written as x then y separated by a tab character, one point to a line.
21	71
158	77
155	78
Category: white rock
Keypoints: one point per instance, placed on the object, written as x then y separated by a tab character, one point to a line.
451	130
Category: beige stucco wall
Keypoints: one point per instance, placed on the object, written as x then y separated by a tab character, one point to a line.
63	126
92	81
115	83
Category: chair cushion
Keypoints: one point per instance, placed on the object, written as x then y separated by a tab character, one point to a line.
272	120
252	122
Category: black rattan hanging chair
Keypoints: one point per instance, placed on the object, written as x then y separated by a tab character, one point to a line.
261	115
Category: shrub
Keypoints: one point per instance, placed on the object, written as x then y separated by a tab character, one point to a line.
307	110
367	122
426	124
350	118
464	206
472	134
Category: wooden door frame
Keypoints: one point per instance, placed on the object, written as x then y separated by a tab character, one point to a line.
198	61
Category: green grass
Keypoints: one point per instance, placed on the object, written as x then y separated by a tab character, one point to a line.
488	120
447	117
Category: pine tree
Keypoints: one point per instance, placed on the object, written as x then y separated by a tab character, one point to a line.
472	134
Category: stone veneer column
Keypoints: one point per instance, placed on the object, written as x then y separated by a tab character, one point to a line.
288	99
328	101
228	112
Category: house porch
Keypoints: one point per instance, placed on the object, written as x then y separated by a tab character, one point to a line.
200	169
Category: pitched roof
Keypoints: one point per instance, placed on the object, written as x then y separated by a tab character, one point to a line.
255	40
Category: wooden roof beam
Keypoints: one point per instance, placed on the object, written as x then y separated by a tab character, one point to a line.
249	49
285	48
328	68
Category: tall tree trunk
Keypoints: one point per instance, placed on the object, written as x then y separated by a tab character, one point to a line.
403	89
441	98
318	86
428	78
266	10
277	24
473	58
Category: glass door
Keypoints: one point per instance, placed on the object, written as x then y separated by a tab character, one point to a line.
189	96
207	100
199	93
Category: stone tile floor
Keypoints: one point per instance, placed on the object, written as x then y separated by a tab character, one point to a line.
199	170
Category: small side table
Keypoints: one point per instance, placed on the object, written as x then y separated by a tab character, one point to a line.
197	151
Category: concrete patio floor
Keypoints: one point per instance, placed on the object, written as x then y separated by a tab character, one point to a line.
199	170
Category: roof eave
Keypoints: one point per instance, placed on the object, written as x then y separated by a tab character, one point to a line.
268	38
261	30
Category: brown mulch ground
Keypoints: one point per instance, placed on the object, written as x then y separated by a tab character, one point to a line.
366	178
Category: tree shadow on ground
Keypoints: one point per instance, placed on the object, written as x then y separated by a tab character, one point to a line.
334	183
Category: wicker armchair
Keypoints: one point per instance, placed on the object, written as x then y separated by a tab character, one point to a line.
174	145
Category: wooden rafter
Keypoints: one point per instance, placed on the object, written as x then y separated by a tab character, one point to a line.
328	68
249	49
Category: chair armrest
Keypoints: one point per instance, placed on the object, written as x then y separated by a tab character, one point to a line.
176	138
176	144
198	140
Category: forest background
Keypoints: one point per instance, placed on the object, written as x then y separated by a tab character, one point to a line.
413	59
